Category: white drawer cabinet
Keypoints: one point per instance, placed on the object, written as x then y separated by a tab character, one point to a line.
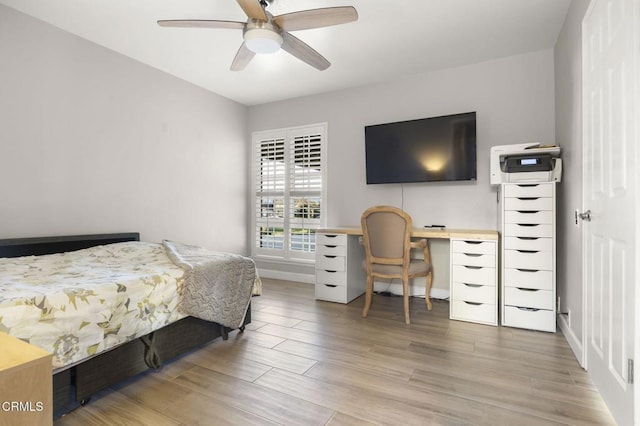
528	285
474	290
339	274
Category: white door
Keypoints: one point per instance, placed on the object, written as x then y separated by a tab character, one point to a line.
610	135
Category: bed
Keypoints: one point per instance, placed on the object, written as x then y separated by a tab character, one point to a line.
138	305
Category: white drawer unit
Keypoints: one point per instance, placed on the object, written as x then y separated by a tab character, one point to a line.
339	275
474	278
528	284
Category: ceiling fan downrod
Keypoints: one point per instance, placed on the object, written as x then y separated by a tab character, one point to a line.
265	3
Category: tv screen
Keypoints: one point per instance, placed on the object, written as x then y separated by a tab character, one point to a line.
425	150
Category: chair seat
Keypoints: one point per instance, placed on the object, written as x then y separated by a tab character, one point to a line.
417	267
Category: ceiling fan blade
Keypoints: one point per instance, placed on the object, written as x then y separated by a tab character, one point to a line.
304	52
200	23
253	9
316	18
243	57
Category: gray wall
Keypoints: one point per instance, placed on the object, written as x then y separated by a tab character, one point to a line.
514	101
568	99
92	141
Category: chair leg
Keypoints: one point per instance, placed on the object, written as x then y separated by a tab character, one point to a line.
367	296
427	293
405	296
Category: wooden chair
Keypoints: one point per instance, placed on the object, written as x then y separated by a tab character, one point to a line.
387	242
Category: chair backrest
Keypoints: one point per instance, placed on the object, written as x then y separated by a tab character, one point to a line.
386	235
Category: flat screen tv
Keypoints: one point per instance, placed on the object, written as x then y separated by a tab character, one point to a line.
425	150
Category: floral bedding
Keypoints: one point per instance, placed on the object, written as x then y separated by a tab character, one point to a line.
78	304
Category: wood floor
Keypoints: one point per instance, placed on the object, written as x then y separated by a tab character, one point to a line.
305	362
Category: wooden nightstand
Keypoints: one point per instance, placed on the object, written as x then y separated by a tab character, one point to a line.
25	383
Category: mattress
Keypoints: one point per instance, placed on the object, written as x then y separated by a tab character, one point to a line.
79	304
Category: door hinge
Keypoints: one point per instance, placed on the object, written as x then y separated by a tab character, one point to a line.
630	371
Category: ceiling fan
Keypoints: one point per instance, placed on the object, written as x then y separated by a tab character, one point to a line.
265	33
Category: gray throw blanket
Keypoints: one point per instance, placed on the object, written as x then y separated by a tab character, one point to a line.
217	286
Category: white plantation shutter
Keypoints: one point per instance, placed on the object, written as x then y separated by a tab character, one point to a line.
305	190
289	184
270	186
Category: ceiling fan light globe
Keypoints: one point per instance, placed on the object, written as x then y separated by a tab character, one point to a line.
261	40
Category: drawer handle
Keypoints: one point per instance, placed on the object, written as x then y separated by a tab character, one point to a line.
331	285
472	285
528	211
528	309
527	185
528	238
331	272
472	242
528	224
527	270
472	254
532	290
328	246
529	251
329	256
472	267
330	236
472	303
528	198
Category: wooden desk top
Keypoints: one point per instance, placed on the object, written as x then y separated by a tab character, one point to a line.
442	233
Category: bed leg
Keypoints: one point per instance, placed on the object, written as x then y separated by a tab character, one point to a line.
85	401
224	332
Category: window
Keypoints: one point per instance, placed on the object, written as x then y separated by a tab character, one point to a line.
288	178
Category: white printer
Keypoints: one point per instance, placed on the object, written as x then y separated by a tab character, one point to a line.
527	162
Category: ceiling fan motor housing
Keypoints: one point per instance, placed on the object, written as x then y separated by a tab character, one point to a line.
262	37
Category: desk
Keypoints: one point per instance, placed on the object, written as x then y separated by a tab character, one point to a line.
473	284
440	233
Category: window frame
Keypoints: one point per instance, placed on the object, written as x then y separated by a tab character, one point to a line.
260	138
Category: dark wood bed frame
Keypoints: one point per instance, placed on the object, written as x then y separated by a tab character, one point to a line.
76	384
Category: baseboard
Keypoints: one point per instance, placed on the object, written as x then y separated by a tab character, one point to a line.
415	291
287	276
574	343
439	293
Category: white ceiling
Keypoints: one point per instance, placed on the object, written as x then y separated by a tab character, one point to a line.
390	40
